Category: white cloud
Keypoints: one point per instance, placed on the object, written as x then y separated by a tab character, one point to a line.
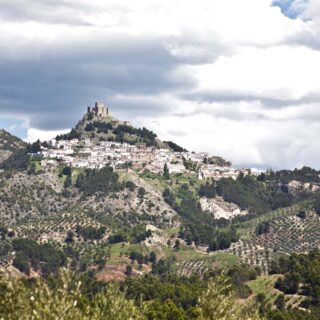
262	143
278	72
35	134
310	9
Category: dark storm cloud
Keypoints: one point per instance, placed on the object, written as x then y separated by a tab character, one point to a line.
139	106
52	89
50	81
42	95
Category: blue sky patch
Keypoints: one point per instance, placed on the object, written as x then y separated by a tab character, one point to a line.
17	127
288	8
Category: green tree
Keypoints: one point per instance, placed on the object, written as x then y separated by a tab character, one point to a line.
67	182
152	257
35	147
218	302
21	263
280	302
177	245
130	185
69	237
67	171
316	206
166	173
141	192
128	271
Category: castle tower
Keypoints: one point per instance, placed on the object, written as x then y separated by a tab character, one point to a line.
99	109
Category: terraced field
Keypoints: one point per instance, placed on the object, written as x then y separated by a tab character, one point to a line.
265	285
203	264
54	228
288	233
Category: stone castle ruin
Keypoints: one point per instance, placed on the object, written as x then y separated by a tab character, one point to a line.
99	110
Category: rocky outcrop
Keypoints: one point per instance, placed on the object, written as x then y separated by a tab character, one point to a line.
220	208
295	185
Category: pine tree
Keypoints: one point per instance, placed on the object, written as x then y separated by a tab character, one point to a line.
166	173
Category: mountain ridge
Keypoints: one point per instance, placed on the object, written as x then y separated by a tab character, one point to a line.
8	144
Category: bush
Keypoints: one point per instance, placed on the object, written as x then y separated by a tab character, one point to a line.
141	192
316	206
116	238
262	228
21	263
68	297
62	299
67	171
90	233
219	302
280	302
130	185
302	215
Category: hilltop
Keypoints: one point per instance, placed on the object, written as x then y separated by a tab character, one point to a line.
98	125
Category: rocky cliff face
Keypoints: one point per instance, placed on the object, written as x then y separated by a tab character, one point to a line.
220	209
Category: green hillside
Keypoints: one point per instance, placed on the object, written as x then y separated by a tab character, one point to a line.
149	232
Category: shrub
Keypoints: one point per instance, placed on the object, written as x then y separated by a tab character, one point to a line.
62	299
219	302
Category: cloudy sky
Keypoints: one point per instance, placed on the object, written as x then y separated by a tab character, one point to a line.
237	78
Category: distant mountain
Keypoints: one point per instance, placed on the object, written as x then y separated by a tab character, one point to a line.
9	144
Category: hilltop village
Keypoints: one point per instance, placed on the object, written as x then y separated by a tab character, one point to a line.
89	153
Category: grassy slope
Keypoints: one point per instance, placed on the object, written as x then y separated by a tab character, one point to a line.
265	285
